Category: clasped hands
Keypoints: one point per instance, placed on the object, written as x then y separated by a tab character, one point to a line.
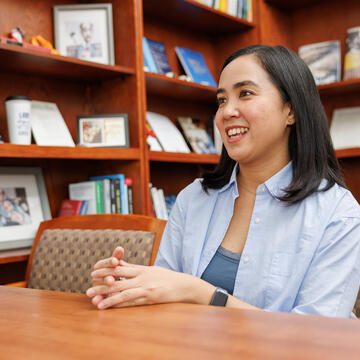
117	283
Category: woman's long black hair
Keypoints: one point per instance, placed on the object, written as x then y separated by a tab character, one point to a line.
310	147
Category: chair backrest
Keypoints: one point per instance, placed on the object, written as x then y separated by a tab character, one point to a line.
65	249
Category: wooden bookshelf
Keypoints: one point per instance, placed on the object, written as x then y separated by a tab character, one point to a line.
293	4
162	85
183	158
348	153
196	16
62	152
16	255
27	61
340	87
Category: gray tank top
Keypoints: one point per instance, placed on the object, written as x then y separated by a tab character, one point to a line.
222	269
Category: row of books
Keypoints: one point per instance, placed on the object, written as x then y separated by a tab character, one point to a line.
193	62
161	203
108	194
324	58
239	8
163	135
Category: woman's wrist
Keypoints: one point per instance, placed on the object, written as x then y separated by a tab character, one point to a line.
196	291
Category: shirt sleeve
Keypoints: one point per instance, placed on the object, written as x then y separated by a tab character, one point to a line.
331	283
170	250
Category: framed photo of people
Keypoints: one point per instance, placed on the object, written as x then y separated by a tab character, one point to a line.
85	32
110	130
23	205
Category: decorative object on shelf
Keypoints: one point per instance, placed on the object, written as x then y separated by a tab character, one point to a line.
18	110
39	43
85	32
48	126
194	66
196	137
158	52
167	133
345	128
352	55
23	205
324	60
110	130
17	34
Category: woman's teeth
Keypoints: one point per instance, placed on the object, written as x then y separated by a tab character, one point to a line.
237	131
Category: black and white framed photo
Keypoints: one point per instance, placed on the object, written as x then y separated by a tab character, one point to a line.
23	205
103	130
85	32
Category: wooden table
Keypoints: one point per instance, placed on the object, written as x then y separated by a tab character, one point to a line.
38	324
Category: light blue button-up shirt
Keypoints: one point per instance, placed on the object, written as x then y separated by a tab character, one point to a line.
302	258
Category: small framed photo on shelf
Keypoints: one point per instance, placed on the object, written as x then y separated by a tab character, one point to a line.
23	205
85	32
110	130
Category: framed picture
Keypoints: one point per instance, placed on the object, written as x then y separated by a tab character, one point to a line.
23	205
85	32
103	130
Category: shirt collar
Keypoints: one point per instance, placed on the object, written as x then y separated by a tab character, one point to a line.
280	181
276	184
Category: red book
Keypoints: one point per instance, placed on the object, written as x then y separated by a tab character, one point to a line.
70	207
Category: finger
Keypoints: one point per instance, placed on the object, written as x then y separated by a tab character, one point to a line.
96	299
119	271
118	252
121	285
121	298
109	280
136	302
107	263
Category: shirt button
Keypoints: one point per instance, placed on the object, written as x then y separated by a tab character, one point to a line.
246	259
257	220
263	189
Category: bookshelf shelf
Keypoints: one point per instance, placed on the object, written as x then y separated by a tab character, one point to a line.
340	87
197	16
171	87
61	152
348	153
183	158
294	4
21	60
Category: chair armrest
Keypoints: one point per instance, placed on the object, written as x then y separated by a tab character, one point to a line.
17	284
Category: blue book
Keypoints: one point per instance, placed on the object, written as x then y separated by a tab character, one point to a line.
159	55
194	65
148	58
123	190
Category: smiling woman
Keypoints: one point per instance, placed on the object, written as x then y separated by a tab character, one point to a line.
273	226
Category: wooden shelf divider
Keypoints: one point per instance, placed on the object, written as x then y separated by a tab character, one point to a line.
27	61
65	152
16	255
172	87
183	157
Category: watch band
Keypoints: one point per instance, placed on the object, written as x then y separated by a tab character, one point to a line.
220	297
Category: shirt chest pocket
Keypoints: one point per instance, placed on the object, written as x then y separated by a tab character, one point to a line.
282	266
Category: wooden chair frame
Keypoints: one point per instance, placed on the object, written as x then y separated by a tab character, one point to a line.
99	222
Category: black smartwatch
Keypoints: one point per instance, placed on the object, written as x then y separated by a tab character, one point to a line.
220	297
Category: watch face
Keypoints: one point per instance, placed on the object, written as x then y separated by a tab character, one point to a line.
220	297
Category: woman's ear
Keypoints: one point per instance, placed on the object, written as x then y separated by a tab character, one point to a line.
290	114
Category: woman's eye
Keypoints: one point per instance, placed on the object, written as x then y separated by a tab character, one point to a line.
245	93
220	100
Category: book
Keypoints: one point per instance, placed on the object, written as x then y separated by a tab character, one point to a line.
194	66
106	196
48	126
158	52
345	128
70	207
324	60
90	191
124	209
129	184
352	54
167	133
197	137
148	58
170	201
